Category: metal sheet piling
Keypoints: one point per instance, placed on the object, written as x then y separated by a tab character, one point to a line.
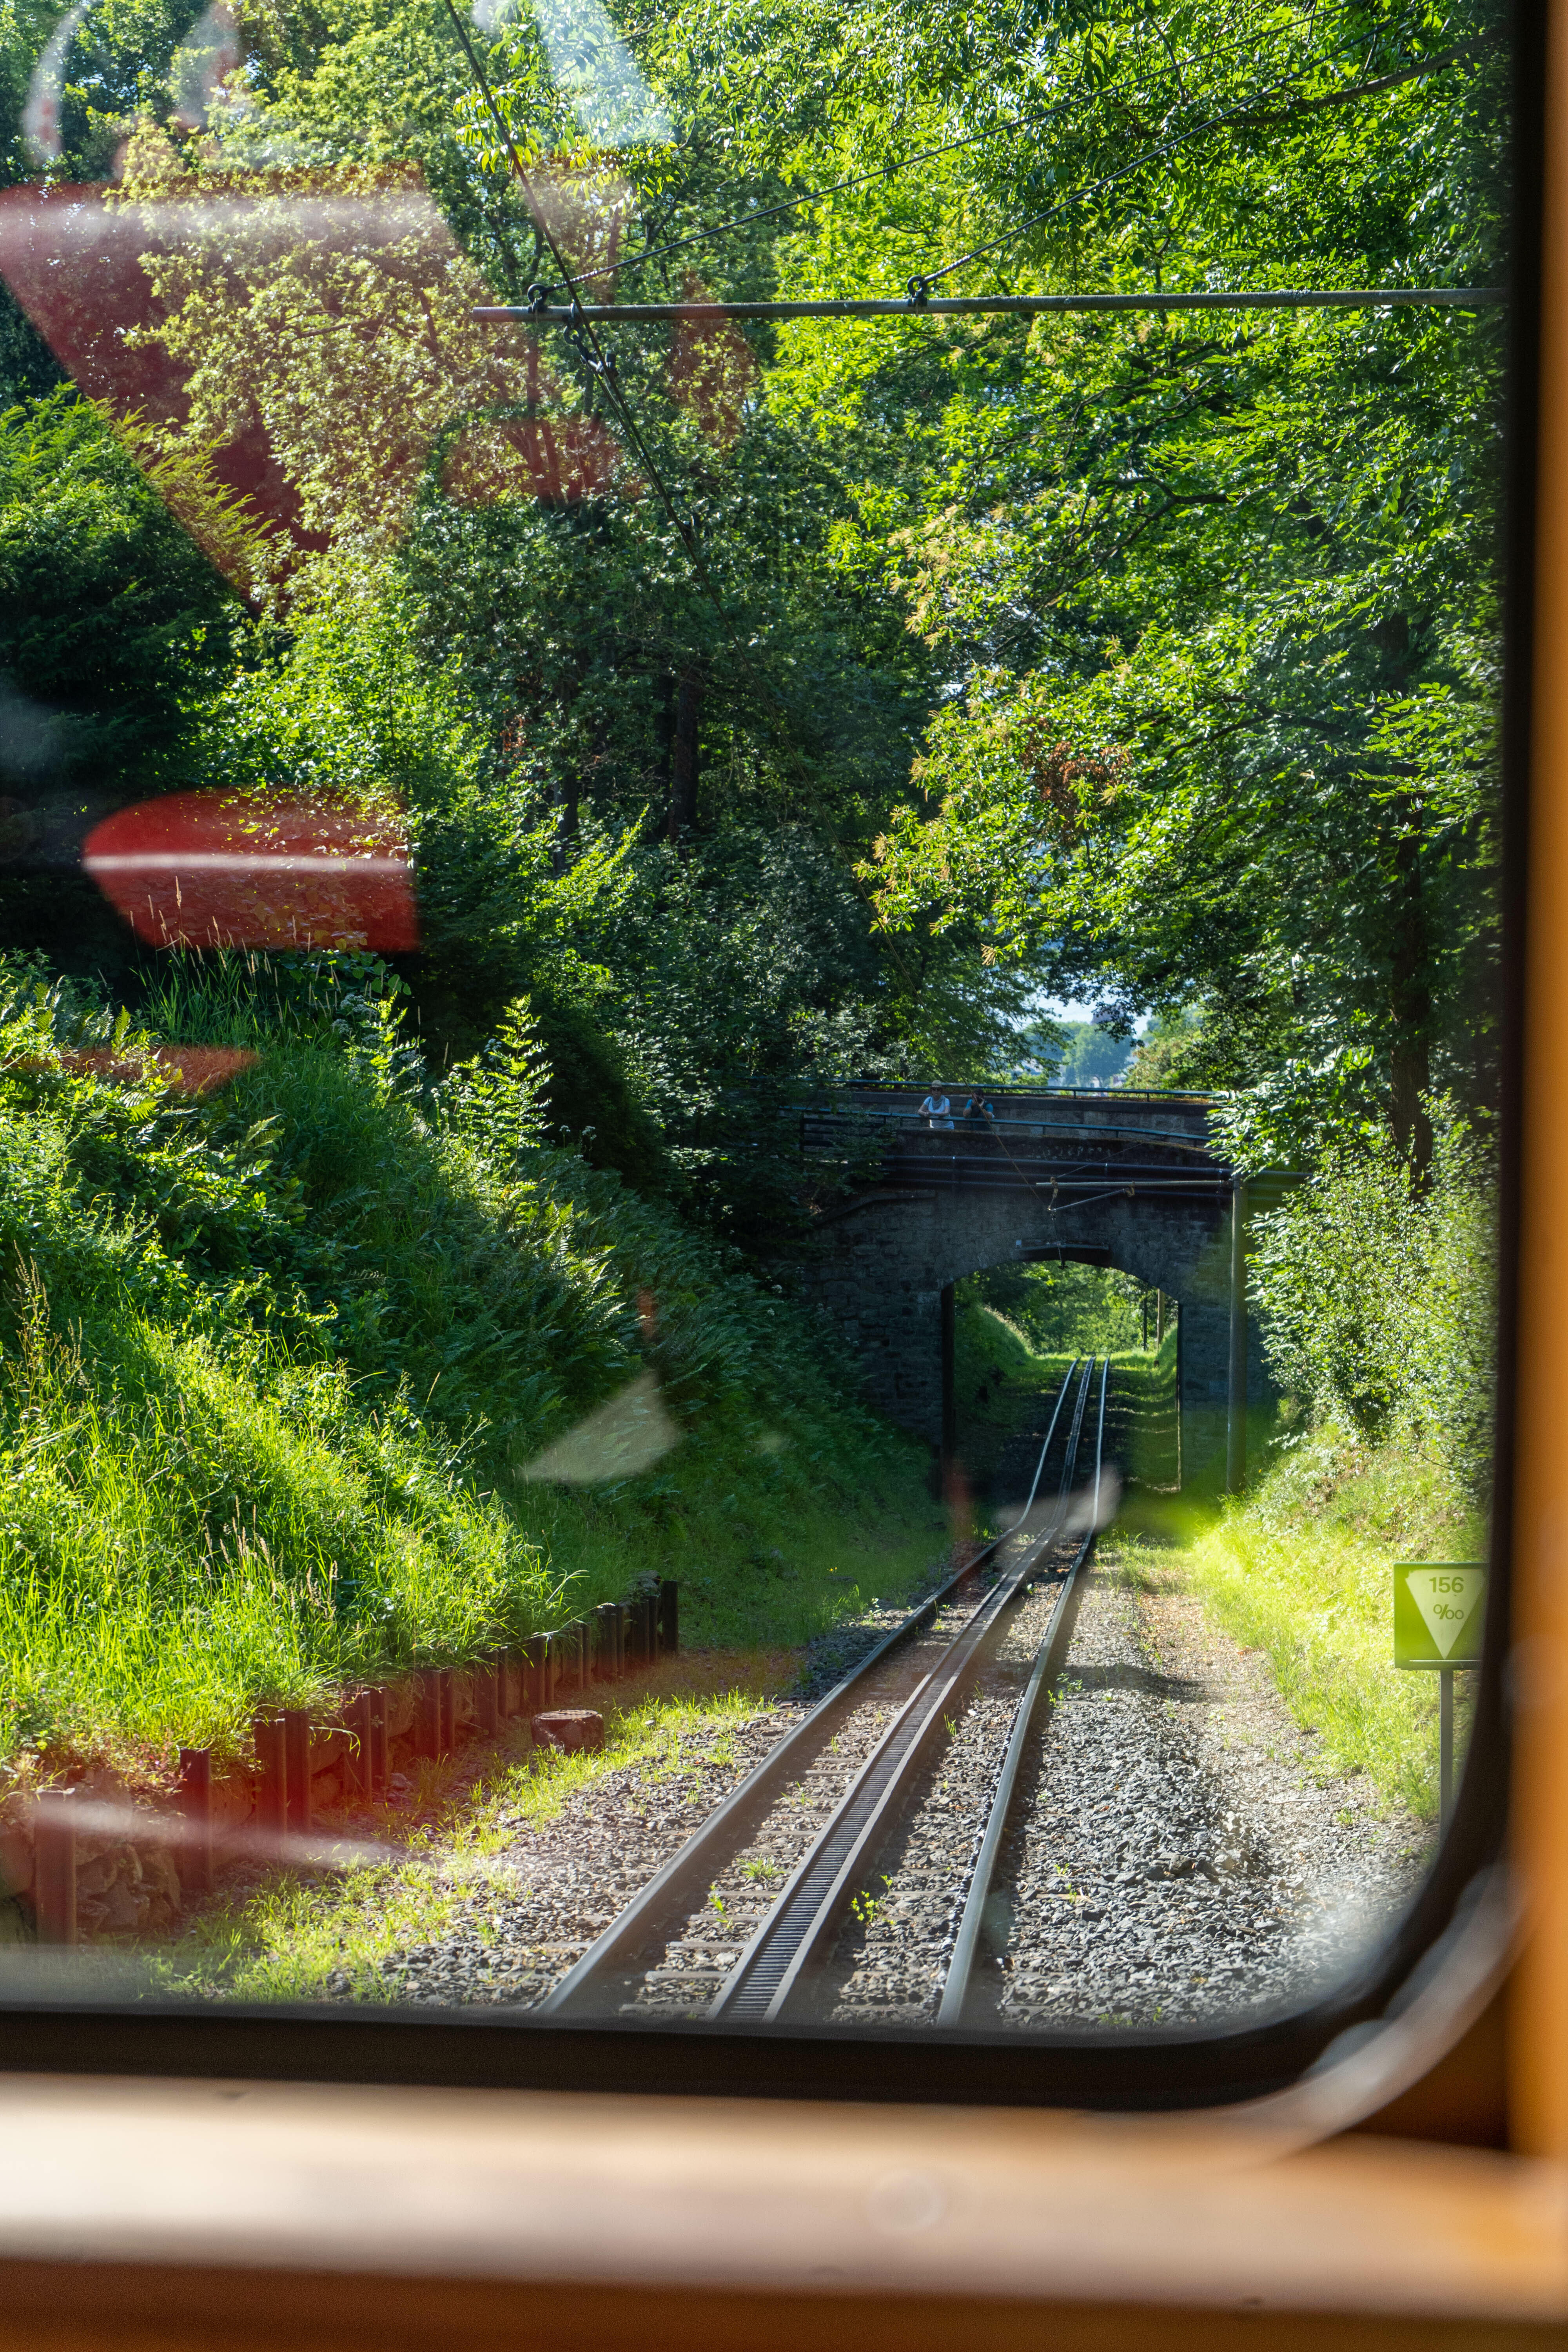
297	1769
272	1780
196	1861
54	1866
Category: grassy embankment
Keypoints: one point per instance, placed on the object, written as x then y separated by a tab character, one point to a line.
1303	1569
1377	1300
282	1939
1299	1570
285	1939
276	1365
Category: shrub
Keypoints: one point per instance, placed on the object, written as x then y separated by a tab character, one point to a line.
1377	1300
1066	1309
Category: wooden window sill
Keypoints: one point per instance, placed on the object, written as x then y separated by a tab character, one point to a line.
137	2213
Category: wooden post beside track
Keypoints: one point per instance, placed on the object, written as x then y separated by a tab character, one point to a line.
1236	1411
949	1461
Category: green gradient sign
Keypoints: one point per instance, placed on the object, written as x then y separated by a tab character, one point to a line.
1438	1613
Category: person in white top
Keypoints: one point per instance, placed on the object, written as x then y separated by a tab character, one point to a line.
937	1109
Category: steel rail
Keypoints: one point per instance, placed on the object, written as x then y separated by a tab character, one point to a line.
906	306
798	1932
957	1991
672	1891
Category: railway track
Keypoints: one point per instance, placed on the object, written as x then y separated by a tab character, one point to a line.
861	1758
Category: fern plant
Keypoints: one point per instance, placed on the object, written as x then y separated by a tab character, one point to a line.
497	1101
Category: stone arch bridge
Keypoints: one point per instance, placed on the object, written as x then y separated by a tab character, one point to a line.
1112	1178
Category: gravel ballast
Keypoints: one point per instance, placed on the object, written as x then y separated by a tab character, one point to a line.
1180	1850
1185	1853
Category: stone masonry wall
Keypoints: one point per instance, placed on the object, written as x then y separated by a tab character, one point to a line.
880	1269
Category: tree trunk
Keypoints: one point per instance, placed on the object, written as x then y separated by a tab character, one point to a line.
566	823
1410	975
1410	1053
683	759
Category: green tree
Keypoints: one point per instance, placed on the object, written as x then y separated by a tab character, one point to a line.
114	627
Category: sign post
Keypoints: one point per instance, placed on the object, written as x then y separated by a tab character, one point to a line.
1438	1613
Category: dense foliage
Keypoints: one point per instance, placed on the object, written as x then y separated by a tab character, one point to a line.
1067	1310
774	704
1187	623
1379	1302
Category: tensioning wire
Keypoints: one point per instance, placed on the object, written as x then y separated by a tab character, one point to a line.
884	172
593	352
603	367
929	278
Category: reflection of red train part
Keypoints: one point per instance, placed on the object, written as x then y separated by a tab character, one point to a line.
81	262
211	869
75	264
186	1069
189	1069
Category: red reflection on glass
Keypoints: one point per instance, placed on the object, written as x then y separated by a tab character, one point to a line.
712	372
314	339
217	869
189	1069
80	266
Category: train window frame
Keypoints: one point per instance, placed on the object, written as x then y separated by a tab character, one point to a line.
1438	1987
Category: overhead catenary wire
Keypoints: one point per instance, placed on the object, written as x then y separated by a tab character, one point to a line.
603	367
581	322
919	296
638	260
597	360
917	305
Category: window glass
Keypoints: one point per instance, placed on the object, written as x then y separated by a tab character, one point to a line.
749	1030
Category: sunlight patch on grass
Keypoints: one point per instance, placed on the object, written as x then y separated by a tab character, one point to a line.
1303	1569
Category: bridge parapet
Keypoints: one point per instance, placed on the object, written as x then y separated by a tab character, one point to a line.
1031	1142
1047	1108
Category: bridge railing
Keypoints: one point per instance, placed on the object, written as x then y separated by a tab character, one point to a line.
821	1127
958	1090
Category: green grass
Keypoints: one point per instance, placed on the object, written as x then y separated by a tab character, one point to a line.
1141	1426
277	1370
1004	1384
1303	1569
999	1381
183	1537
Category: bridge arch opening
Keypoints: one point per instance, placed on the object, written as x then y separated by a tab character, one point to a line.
1010	1330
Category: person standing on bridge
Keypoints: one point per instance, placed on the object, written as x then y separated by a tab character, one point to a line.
936	1109
979	1113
